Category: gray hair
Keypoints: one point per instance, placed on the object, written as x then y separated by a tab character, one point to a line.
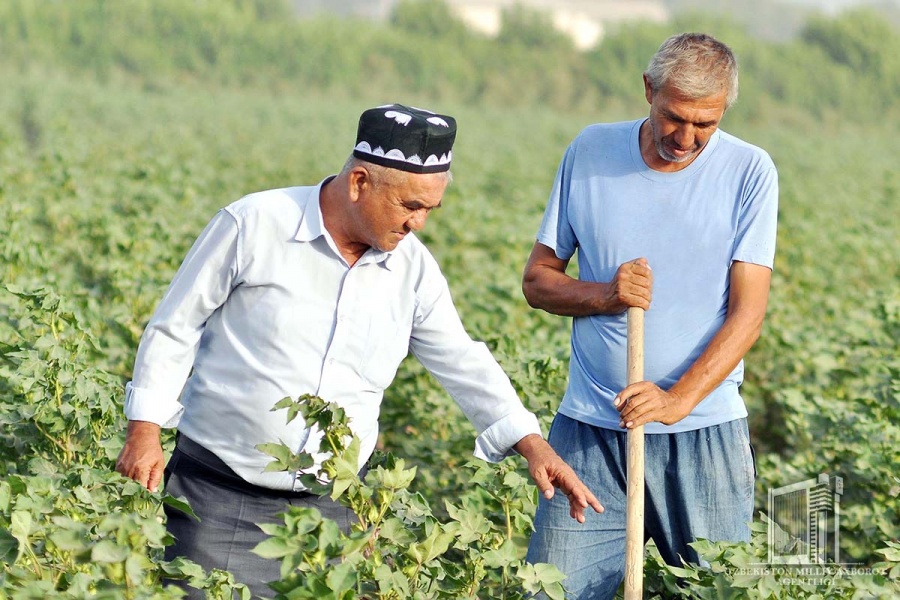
383	176
696	65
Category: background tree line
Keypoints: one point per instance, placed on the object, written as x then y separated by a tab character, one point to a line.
848	65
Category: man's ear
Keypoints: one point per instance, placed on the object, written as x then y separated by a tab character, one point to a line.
648	89
359	181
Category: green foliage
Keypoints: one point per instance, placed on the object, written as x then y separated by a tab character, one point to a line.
69	526
738	571
54	405
429	18
398	548
90	533
532	29
865	43
843	415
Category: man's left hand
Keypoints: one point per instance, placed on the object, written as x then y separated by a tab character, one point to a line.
644	402
550	471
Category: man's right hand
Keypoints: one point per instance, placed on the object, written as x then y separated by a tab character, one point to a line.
141	458
632	285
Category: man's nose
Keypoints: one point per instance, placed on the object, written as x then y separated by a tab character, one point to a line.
684	137
417	220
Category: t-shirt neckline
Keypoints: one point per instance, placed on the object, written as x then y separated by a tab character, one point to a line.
654	175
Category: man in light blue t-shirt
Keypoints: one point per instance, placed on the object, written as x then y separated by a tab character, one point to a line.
672	215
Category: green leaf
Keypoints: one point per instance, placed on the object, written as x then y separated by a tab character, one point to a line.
42	466
355	542
503	556
71	539
108	551
280	452
180	504
435	544
302	520
285	402
382	574
330	537
540	576
767	585
182	567
555	591
5	496
472	525
9	547
514	480
398	477
294	407
346	469
274	548
20	526
891	553
341	578
396	531
548	573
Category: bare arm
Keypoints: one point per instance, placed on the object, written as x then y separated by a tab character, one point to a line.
644	402
546	286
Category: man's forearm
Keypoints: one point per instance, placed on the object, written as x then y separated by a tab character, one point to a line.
559	294
547	286
726	349
743	323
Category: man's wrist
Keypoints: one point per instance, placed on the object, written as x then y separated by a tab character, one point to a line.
529	444
685	400
143	428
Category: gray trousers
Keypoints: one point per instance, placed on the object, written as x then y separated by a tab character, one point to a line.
229	509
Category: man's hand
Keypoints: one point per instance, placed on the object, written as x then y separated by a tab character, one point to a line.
141	458
643	402
632	285
548	470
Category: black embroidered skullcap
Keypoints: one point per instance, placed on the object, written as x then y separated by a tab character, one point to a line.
405	138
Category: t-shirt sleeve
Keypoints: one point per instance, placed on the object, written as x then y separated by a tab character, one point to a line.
757	220
556	232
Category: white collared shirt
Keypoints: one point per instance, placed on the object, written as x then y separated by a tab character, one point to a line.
265	307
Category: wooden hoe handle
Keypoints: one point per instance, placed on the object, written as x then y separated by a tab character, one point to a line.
634	516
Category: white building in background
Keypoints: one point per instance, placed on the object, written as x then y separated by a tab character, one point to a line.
583	20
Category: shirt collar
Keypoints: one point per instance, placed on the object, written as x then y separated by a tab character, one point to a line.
312	226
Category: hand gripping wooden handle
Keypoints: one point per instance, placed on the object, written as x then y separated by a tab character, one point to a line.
634	515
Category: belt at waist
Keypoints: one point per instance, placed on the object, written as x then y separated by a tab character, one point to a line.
209	466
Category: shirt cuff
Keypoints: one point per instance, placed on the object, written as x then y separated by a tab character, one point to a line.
497	441
143	405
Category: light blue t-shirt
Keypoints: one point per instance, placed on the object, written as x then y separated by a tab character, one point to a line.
607	204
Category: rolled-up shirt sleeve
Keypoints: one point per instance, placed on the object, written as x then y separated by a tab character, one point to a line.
469	373
169	343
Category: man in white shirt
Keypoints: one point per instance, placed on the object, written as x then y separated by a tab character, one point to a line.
311	290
